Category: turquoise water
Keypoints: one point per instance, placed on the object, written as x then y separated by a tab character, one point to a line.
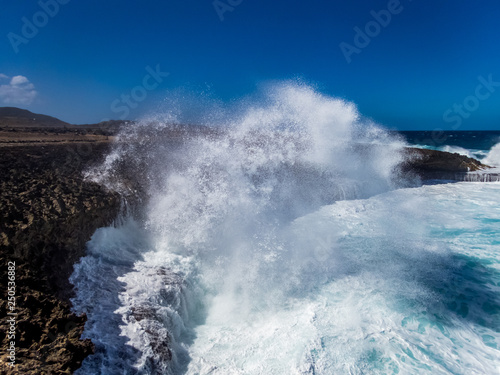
287	246
410	286
406	282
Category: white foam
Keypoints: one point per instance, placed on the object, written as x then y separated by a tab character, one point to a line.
245	263
457	150
493	157
375	303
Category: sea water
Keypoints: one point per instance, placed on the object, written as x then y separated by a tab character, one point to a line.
288	244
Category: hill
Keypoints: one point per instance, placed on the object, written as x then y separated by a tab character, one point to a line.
17	117
20	126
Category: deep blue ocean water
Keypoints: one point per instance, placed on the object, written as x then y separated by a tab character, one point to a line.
475	140
476	144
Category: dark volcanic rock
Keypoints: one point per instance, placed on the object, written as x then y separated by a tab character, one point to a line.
47	333
48	214
432	164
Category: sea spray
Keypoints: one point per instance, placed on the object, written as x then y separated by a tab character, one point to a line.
493	157
216	224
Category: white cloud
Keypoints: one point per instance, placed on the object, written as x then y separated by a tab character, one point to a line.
18	80
18	91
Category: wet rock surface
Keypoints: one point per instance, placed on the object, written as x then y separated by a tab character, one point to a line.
439	165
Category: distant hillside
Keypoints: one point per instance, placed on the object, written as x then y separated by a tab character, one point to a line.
16	117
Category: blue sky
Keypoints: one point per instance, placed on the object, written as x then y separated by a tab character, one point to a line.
419	64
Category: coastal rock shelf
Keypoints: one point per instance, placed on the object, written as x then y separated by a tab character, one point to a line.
48	214
439	165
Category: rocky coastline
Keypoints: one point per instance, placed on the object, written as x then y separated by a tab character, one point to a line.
49	212
438	165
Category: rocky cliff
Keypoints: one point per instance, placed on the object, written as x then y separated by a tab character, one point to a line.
48	214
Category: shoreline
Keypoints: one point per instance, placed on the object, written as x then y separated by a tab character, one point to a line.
50	212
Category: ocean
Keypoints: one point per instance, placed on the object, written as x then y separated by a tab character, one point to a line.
475	144
286	244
